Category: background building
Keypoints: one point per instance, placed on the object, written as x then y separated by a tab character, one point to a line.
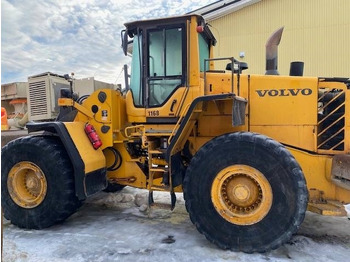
316	32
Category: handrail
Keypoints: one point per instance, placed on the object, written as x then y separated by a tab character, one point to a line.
178	122
233	60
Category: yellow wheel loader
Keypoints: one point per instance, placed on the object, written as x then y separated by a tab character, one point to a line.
250	152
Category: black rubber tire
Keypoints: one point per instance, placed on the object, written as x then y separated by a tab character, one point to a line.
276	163
60	201
112	187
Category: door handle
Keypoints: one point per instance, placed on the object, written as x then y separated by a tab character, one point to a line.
172	105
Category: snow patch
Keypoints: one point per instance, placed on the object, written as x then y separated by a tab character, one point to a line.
110	227
347	208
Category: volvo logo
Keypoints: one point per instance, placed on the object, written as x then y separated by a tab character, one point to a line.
284	92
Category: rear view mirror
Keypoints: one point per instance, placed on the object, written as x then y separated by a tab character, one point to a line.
238	66
124	38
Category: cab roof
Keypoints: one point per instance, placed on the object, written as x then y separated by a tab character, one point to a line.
133	27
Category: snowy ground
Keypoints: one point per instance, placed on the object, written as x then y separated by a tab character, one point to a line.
111	227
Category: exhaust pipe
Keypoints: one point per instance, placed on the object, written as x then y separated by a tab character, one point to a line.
272	52
296	68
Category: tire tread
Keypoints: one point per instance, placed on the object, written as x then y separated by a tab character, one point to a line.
293	167
63	203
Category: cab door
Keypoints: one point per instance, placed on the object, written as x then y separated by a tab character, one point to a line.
165	73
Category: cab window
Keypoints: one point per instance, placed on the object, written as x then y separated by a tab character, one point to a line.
203	51
165	63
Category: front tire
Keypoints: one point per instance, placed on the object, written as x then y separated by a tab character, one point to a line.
37	182
245	192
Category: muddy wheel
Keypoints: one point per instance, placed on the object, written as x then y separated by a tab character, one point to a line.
37	182
252	196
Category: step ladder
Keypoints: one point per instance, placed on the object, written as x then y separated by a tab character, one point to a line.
158	169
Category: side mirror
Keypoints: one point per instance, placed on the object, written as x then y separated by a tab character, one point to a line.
238	66
124	38
67	77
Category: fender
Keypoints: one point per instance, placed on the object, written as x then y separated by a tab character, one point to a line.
188	115
88	164
178	141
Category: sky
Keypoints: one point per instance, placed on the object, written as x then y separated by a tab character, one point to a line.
80	36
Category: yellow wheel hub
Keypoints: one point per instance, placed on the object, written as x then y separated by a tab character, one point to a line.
241	194
27	184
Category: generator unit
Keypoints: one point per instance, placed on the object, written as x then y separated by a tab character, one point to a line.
43	92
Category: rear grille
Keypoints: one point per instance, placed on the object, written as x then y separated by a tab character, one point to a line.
331	119
37	98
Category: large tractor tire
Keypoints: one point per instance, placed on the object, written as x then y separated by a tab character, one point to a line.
245	192
37	182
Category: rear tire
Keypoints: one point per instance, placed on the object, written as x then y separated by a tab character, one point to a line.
39	174
245	192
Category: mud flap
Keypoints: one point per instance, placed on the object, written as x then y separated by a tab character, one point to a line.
238	111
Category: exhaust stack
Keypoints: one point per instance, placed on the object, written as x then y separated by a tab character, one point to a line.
272	52
296	68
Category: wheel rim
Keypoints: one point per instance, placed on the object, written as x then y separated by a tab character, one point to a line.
27	184
241	195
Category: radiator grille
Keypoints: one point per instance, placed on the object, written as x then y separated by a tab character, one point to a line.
37	98
331	119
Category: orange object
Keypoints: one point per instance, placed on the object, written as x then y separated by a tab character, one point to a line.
18	101
4	124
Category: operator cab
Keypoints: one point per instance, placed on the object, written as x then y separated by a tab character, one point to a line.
160	50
